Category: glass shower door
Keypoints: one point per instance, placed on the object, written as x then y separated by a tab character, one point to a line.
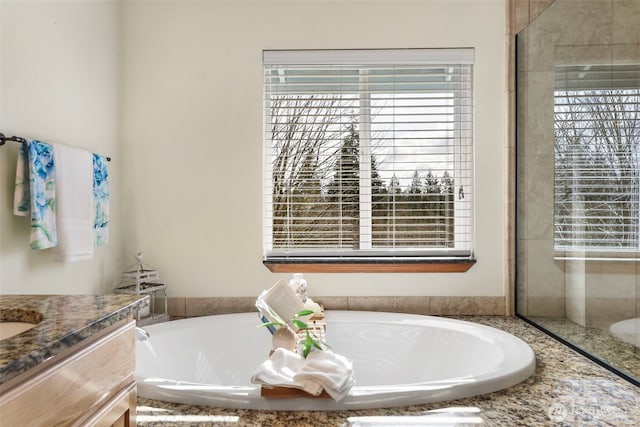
578	178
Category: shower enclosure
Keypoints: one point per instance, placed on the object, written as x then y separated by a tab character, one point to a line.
578	178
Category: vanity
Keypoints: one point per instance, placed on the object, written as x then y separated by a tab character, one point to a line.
72	363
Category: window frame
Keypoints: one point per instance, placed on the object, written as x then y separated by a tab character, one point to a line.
382	260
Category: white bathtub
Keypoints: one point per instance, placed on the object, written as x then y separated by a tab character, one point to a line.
627	330
398	359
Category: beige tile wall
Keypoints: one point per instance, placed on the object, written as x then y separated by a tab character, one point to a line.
575	290
181	307
519	13
610	292
638	290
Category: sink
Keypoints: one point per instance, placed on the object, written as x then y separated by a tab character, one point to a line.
14	321
9	329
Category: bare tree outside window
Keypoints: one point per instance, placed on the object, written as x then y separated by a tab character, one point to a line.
305	134
316	178
597	169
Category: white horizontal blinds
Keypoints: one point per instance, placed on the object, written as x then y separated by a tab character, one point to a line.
597	157
368	152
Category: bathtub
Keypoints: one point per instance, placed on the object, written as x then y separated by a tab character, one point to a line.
398	359
627	330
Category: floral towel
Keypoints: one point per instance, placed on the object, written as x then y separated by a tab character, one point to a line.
35	175
101	200
35	165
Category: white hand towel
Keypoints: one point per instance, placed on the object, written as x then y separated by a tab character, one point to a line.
74	198
332	371
280	369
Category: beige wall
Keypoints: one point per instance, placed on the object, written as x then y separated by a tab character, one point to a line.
58	83
192	126
187	170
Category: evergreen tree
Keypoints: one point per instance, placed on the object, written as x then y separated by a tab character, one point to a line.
432	185
377	184
416	184
394	185
446	183
344	190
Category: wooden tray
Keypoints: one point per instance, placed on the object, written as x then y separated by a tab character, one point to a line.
286	392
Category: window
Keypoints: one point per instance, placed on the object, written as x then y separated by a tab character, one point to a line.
368	155
597	158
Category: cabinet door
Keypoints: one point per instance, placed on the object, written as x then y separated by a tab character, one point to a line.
118	412
76	385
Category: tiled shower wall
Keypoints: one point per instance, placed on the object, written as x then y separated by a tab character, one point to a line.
519	13
591	293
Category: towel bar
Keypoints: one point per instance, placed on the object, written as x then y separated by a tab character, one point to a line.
4	139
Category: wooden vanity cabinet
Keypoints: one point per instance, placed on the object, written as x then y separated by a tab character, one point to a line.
90	384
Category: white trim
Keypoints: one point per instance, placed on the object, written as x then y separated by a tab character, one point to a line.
351	253
368	56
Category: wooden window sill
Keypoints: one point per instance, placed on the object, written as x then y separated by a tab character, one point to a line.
384	265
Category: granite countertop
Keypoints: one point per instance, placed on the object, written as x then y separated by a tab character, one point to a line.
62	321
566	389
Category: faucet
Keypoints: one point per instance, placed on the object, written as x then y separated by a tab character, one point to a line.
141	334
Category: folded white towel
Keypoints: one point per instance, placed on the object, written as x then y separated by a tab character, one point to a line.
279	370
74	203
332	371
321	370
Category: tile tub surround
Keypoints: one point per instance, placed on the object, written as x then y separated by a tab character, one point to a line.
181	307
63	321
566	387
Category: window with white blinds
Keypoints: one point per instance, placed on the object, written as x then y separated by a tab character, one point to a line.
597	158
368	153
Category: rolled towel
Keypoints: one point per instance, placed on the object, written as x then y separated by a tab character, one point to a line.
332	371
280	370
